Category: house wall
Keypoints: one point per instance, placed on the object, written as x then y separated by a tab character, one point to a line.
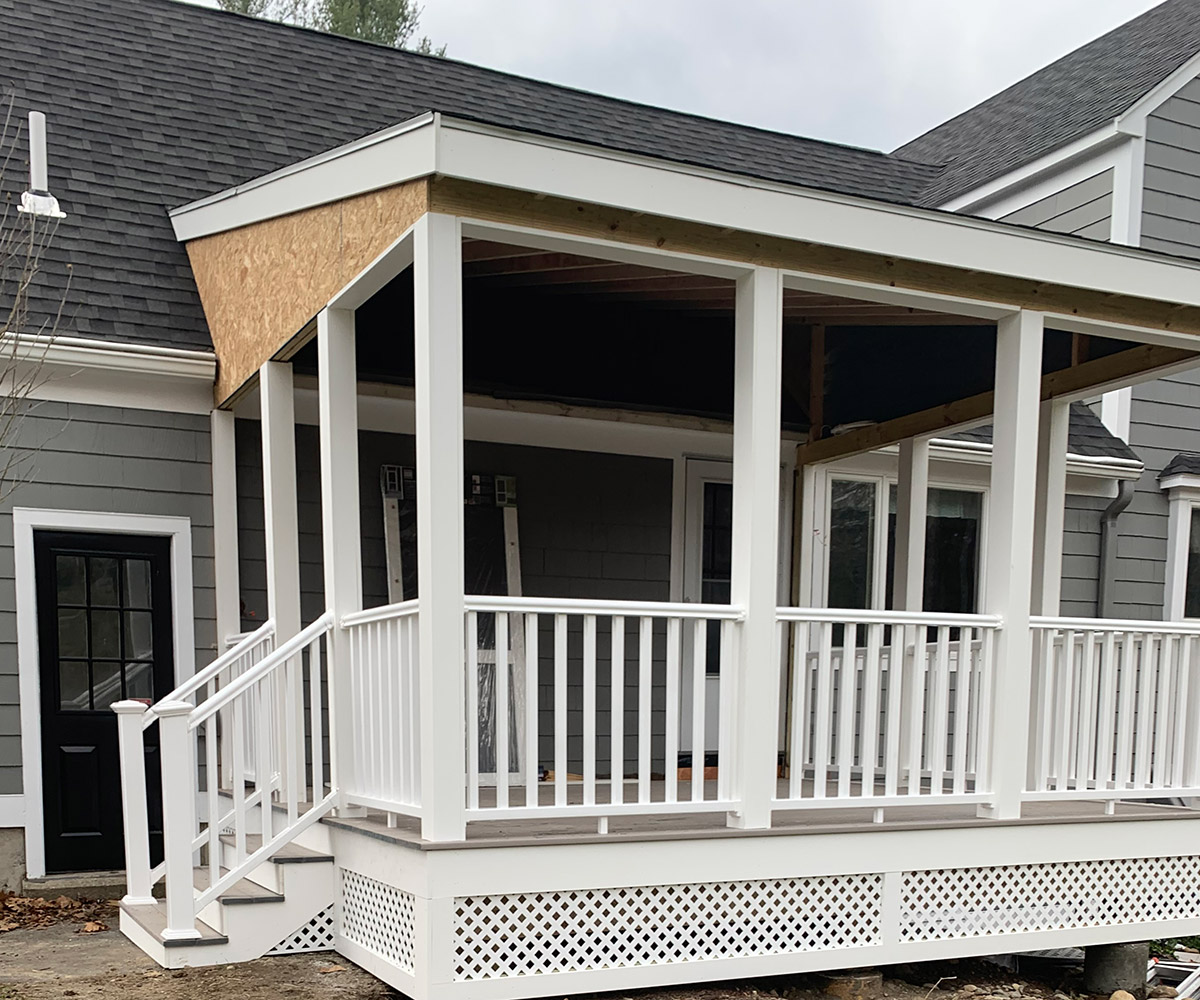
1171	196
591	525
1084	209
103	459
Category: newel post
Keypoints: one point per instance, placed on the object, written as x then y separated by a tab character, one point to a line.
179	817
134	809
758	350
1010	548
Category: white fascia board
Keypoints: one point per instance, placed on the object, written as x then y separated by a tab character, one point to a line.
980	453
100	373
381	159
531	163
1182	484
1022	193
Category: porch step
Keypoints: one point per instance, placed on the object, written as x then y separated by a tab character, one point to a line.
289	854
152	919
240	893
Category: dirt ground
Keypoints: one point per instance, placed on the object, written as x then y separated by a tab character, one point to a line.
62	960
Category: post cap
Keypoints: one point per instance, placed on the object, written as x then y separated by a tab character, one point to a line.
129	707
171	709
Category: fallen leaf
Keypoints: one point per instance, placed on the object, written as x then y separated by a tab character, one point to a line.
94	926
332	968
151	975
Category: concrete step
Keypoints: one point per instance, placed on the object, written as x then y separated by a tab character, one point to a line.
76	885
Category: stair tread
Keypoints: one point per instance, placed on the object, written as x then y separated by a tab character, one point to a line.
242	891
289	854
152	917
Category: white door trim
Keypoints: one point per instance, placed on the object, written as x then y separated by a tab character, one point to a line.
25	522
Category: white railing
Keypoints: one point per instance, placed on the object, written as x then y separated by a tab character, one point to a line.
615	675
385	771
1115	709
887	708
286	796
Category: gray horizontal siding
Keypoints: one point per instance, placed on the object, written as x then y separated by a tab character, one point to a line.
1171	192
110	460
591	525
1081	556
1084	209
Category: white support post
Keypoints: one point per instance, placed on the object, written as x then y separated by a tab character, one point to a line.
337	387
179	818
1179	532
1050	513
1010	552
912	505
134	807
279	497
756	436
437	285
225	551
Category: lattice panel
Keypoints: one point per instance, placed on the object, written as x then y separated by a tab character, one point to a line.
379	917
316	935
1016	899
525	934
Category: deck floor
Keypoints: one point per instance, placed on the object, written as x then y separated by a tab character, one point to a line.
707	825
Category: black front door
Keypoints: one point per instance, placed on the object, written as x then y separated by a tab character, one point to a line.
104	635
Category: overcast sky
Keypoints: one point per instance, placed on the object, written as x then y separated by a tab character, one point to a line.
868	72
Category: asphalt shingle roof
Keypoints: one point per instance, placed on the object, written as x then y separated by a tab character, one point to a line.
1071	97
1186	463
1086	436
154	103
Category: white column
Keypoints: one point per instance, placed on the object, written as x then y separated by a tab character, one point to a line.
341	537
279	497
225	526
1010	551
179	818
437	287
134	807
756	435
1179	531
1048	522
912	505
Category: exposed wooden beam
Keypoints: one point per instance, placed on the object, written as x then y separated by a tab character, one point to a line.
1125	364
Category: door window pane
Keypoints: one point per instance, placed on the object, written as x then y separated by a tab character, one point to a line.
716	559
73	685
851	543
104	573
953	526
136	590
139	680
106	634
1191	604
72	633
106	684
70	579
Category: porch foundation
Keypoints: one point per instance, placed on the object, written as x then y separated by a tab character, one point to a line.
1111	967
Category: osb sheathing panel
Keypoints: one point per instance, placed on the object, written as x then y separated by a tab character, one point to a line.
506	205
261	284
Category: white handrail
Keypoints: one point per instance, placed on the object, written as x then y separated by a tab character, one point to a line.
197	681
1115	625
585	606
381	614
264	666
858	616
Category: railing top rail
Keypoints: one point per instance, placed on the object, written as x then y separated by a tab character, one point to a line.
857	616
1115	625
400	610
584	606
222	662
268	663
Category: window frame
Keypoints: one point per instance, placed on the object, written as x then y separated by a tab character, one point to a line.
1183	493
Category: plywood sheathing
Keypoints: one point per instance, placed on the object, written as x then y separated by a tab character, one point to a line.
506	205
261	284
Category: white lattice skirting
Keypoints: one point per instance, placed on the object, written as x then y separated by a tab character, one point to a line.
380	918
316	935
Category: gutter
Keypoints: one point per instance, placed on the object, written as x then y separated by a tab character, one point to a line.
1108	548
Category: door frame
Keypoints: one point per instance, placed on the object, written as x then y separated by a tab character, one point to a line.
25	522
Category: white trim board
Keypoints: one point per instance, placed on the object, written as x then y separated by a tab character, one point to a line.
12	811
25	522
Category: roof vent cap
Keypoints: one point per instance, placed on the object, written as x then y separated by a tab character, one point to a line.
38	200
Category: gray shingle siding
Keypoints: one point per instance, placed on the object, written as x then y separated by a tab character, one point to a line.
591	525
1171	193
1084	209
105	459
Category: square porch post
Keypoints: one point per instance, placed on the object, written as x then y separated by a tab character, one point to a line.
280	511
758	350
1049	517
1010	541
437	288
225	551
912	505
341	536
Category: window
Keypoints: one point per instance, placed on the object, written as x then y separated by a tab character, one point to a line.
1180	480
1191	599
860	563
